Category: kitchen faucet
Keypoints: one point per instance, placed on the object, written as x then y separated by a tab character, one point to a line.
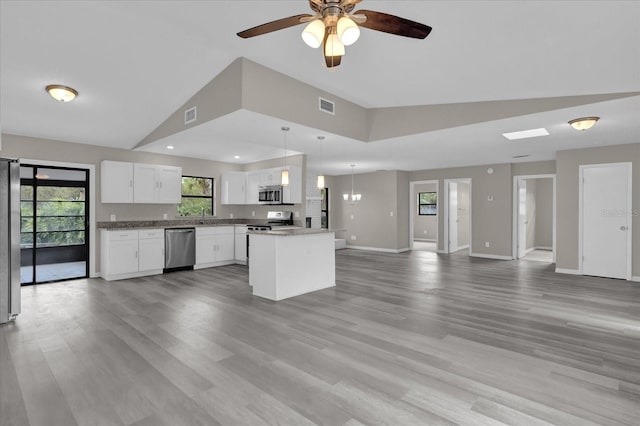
202	219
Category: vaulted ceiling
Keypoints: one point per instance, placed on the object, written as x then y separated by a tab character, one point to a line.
136	63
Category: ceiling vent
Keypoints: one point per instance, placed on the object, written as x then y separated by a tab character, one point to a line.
190	115
327	106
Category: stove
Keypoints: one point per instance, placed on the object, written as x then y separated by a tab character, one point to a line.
275	220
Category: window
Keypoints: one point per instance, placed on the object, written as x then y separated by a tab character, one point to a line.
197	196
427	203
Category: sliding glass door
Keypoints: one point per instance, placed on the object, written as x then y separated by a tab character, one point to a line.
54	224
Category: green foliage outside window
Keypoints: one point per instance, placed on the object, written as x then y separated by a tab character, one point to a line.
427	203
197	196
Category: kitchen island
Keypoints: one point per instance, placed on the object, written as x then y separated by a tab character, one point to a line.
290	262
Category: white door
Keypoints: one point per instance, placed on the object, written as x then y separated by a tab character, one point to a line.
453	217
123	257
522	218
606	220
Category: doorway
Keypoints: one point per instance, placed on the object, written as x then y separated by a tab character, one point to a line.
423	224
457	215
605	220
54	229
534	226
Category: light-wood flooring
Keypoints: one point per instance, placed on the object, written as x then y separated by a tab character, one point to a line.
403	339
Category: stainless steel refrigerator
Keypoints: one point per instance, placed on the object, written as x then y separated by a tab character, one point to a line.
9	240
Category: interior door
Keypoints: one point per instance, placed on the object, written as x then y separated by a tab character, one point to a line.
606	220
453	217
522	218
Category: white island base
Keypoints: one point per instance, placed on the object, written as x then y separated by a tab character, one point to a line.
289	263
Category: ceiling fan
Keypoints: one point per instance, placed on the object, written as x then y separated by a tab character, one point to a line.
335	26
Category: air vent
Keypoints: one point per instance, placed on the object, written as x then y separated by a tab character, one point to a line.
327	106
190	115
520	156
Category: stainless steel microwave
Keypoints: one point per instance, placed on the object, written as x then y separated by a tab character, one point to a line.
271	194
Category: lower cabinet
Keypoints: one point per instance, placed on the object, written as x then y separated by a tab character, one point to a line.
241	244
214	246
131	253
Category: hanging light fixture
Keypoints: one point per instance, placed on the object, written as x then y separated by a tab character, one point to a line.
313	34
352	198
284	175
61	93
333	46
320	183
348	31
584	123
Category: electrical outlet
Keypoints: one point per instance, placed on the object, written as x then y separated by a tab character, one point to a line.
353	238
391	214
490	198
352	217
230	215
165	216
487	244
425	232
253	213
297	214
112	217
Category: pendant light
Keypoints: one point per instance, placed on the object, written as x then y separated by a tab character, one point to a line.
352	198
284	176
320	183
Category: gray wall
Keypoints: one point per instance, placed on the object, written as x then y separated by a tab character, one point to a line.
424	227
567	164
544	213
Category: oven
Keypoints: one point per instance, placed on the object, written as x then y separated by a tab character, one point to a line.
270	194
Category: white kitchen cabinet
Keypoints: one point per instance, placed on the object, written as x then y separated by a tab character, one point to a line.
215	246
151	250
155	184
116	182
131	253
292	193
234	188
254	180
241	244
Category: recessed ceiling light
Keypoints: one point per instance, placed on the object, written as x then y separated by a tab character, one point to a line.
524	134
584	123
170	147
61	93
237	157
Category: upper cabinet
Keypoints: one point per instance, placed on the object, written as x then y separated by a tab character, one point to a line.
234	185
116	182
140	183
242	187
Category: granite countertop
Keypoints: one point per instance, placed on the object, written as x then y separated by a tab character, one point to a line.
292	232
177	223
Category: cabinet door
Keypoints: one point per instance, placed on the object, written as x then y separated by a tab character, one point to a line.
116	182
123	257
293	192
234	188
151	254
145	183
225	247
241	246
253	186
169	185
205	249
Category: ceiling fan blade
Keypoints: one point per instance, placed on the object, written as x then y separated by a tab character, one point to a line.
279	24
393	24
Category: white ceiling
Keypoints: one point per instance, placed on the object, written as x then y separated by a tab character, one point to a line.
136	62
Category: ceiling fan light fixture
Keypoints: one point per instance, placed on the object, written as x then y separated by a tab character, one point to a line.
584	123
348	31
61	93
333	46
313	33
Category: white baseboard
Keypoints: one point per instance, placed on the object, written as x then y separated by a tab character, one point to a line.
543	248
636	279
425	240
529	250
441	252
491	256
381	250
463	247
568	271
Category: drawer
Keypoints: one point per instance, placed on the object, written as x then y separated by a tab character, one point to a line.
205	230
123	235
224	230
146	234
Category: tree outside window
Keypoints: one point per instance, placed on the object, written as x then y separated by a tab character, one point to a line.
197	196
427	203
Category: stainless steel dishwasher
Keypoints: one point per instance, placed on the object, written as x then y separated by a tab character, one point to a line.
180	248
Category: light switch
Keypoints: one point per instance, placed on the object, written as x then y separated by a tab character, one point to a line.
253	213
352	217
165	216
487	244
391	214
490	198
112	218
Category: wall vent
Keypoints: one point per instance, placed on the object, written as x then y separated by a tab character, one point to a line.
327	106
190	115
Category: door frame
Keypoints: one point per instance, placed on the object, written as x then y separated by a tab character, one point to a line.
412	206
92	203
582	167
514	234
446	211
